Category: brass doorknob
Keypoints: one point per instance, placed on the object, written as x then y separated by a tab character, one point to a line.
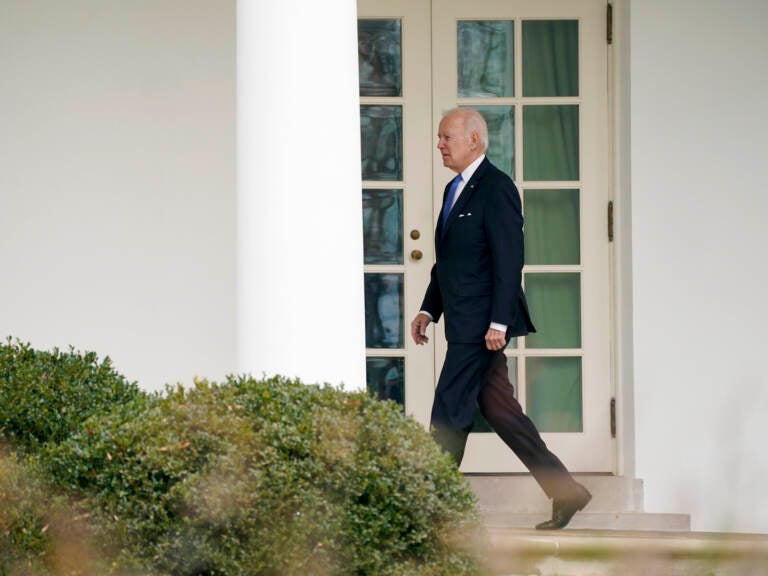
415	234
416	254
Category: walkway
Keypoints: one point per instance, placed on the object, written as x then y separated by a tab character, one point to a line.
517	552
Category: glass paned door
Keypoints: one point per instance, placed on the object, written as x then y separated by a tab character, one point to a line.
381	135
501	136
383	226
395	133
537	71
380	44
488	58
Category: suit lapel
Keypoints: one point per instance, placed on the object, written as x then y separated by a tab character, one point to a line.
465	196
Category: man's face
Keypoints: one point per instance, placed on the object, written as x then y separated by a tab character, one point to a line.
457	149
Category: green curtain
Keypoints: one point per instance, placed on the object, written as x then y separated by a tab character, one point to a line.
550	142
551	69
550	58
554	394
552	227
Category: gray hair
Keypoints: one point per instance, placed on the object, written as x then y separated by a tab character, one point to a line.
473	122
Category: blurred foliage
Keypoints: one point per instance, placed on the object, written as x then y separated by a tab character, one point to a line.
23	519
41	533
270	477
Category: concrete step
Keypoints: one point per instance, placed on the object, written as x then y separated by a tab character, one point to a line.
512	552
517	501
518	493
631	521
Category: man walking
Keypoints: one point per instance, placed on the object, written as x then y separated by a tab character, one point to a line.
476	284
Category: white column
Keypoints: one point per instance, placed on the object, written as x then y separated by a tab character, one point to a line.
300	259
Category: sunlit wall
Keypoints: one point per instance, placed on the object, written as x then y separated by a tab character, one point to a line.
117	182
698	155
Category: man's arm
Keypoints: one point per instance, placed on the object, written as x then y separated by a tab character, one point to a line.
431	309
505	238
433	298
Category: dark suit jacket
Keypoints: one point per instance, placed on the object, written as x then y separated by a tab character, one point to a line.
477	275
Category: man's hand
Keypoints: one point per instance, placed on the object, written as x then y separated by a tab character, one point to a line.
495	339
419	328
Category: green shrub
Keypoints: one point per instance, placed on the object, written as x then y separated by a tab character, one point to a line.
247	477
46	396
268	477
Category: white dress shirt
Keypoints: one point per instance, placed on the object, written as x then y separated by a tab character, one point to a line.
466	174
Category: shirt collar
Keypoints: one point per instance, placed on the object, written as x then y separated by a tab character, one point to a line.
467	173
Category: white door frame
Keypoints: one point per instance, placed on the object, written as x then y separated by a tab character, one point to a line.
591	450
621	247
617	168
417	181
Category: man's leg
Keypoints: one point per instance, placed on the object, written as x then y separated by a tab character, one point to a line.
505	415
464	371
451	441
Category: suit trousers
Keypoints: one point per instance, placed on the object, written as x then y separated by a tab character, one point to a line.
473	374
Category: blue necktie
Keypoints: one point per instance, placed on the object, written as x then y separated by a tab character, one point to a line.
449	200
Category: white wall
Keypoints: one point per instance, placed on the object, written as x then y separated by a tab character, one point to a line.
117	182
699	121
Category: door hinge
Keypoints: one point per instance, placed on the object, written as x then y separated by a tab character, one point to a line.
613	417
609	24
610	221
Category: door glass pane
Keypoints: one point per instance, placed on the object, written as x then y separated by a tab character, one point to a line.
552	226
386	378
551	58
383	226
379	57
554	300
551	142
381	132
501	136
384	311
486	58
481	425
553	394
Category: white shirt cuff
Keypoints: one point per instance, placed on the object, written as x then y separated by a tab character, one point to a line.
427	314
499	327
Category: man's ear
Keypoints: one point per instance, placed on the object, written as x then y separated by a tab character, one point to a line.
474	139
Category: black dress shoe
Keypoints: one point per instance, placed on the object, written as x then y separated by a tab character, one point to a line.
564	509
